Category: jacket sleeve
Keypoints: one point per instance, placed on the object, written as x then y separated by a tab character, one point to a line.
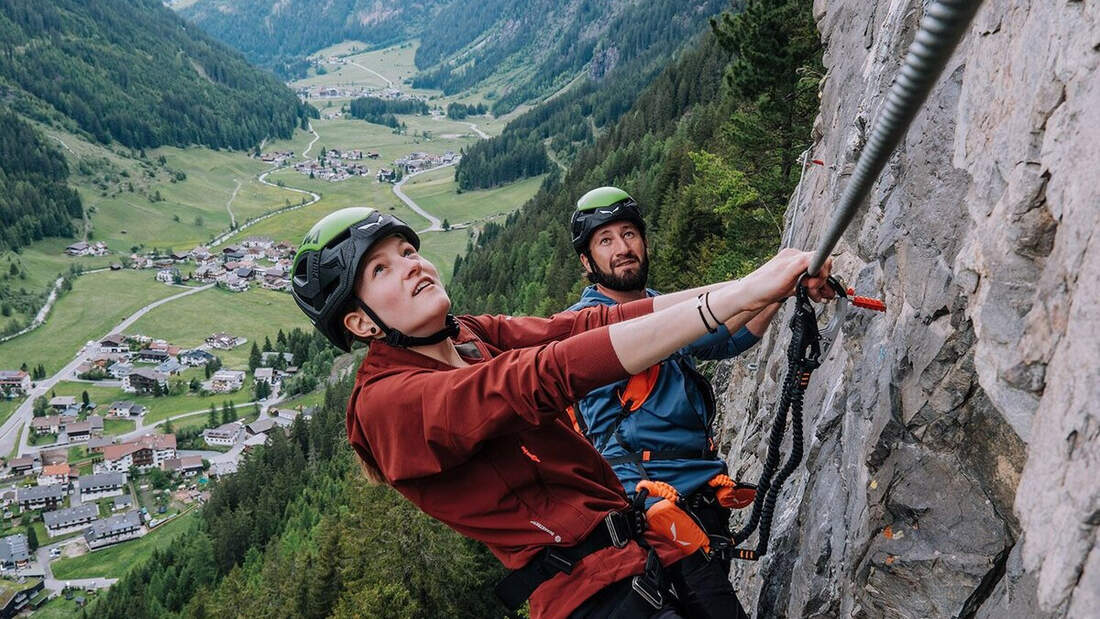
507	332
423	422
721	345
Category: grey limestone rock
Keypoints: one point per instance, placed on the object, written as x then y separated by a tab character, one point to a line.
952	444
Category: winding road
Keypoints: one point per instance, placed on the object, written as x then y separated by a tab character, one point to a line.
232	218
10	431
313	198
389	82
434	222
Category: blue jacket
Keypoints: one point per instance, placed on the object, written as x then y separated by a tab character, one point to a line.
674	417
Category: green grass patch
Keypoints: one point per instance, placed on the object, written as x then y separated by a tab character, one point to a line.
57	608
7	407
305	400
253	315
192	422
437	193
440	248
114	427
293	225
115	561
18	441
162	407
42	439
96	303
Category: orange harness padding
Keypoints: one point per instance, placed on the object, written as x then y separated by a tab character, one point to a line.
667	519
730	493
639	387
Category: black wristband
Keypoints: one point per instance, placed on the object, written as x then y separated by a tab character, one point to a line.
699	306
706	299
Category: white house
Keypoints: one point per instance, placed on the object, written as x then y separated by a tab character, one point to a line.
226	434
15	382
224	381
101	485
64	521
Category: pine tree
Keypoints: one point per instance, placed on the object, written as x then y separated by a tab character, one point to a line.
280	341
254	357
212	417
227	414
32	538
267	344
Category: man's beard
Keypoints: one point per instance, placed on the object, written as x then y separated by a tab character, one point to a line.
630	282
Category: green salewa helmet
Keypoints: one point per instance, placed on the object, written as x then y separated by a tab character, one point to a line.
323	275
601	206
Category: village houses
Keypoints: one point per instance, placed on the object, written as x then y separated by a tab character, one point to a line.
113	530
14	382
71	519
225	341
144	453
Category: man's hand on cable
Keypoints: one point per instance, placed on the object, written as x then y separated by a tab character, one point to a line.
778	278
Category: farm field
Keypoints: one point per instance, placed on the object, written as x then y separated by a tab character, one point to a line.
97	302
253	315
437	193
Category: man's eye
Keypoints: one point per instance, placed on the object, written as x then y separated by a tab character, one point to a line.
605	241
409	251
628	235
378	268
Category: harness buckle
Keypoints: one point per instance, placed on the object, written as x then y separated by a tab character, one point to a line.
618	527
648	591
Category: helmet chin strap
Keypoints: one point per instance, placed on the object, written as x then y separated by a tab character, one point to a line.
401	340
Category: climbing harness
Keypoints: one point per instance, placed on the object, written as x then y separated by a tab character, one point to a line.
617	529
808	346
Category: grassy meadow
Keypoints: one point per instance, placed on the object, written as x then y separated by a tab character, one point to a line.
96	303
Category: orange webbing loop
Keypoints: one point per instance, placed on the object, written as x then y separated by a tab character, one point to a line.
639	387
669	521
572	412
730	493
658	489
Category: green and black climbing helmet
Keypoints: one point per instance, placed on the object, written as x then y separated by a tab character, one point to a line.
601	206
323	275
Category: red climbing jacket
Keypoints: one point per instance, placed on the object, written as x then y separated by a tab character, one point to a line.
485	449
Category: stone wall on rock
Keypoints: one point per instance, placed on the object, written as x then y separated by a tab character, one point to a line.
953	444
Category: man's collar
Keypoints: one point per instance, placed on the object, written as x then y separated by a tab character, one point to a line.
592	294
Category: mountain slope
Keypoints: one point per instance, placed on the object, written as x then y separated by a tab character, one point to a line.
551	41
278	35
700	152
133	72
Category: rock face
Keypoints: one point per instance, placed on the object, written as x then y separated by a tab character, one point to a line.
953	444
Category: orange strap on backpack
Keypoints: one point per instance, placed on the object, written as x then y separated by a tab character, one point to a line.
667	519
730	493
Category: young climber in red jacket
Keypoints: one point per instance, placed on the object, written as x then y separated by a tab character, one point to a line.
463	416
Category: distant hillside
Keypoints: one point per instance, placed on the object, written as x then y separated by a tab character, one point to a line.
278	35
540	45
549	41
133	72
128	71
637	47
706	148
35	202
